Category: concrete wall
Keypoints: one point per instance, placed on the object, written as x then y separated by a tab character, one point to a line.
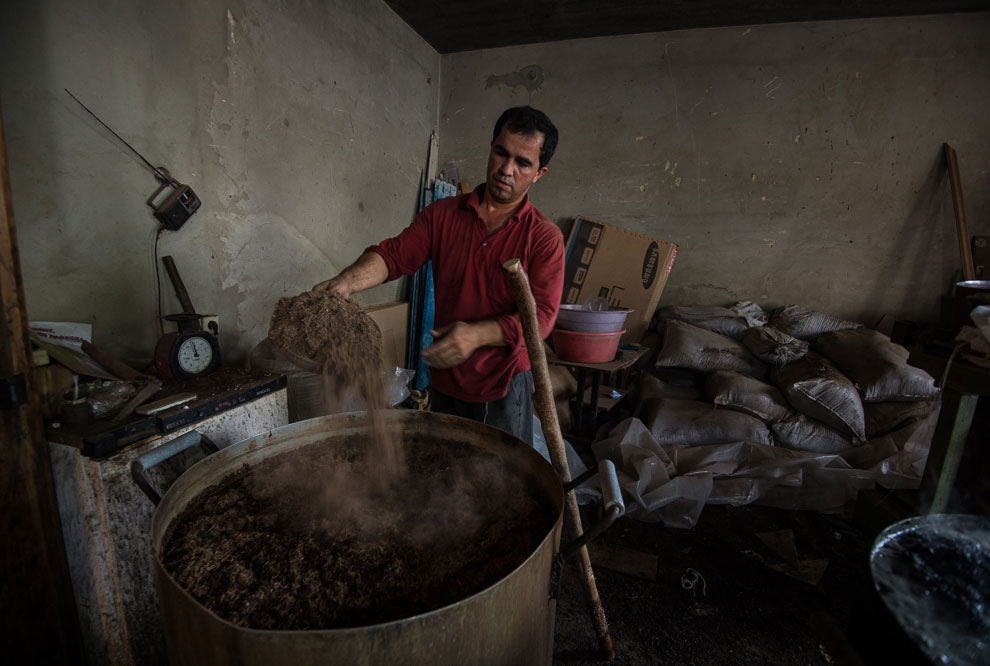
302	126
792	163
797	163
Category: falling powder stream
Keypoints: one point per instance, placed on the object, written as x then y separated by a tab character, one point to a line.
329	334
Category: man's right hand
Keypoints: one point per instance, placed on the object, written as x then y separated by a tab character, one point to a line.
335	284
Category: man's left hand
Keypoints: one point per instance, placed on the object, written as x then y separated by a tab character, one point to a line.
452	345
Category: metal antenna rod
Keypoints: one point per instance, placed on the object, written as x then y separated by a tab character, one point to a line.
158	172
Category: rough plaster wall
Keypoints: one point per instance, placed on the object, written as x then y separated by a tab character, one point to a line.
794	163
302	126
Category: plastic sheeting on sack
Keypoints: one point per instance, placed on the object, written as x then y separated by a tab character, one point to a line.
672	484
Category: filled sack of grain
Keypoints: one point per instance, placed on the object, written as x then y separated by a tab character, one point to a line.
693	423
564	414
745	394
562	382
816	388
649	386
876	365
687	346
805	324
774	347
732	322
883	417
803	434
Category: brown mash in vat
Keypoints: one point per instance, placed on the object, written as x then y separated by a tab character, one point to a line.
270	548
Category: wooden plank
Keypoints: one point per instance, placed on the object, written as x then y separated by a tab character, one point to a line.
38	611
962	230
629	357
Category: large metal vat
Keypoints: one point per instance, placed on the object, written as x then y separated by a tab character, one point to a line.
511	622
931	571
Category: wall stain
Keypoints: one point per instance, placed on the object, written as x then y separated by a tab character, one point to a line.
530	77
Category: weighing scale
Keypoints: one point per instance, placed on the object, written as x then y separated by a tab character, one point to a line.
191	351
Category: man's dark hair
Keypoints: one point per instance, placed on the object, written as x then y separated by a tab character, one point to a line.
527	120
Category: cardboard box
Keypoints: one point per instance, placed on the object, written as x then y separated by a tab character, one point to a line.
627	268
393	319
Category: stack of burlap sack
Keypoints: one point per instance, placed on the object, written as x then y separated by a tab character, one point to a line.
792	378
794	409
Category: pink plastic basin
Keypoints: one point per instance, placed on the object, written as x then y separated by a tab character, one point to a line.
586	347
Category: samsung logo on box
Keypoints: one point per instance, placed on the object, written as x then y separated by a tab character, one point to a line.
650	264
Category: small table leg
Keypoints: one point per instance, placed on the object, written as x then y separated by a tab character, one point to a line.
948	444
579	401
596	380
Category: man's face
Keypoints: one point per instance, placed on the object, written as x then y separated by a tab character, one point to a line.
513	165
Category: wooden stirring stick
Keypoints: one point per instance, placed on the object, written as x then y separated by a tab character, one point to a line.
547	412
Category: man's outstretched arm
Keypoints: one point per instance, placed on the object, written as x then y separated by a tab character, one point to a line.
368	271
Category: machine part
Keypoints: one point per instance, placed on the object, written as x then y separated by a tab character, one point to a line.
178	205
140	467
166	403
612	506
546	410
178	285
509	623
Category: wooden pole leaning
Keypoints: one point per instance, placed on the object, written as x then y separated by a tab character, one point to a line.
962	230
547	413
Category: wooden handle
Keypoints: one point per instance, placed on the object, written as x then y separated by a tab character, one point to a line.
180	289
113	365
547	412
955	185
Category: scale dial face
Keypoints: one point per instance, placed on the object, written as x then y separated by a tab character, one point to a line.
194	355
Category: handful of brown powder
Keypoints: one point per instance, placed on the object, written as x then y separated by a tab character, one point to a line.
328	331
328	334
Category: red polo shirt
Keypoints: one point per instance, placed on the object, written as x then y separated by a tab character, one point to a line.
470	286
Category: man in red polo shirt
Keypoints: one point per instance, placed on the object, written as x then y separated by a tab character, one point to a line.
479	365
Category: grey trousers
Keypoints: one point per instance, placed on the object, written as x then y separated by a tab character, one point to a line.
512	414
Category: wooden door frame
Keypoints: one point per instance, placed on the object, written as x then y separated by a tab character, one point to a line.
37	607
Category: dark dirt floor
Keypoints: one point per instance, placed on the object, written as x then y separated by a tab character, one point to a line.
754	608
739	588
